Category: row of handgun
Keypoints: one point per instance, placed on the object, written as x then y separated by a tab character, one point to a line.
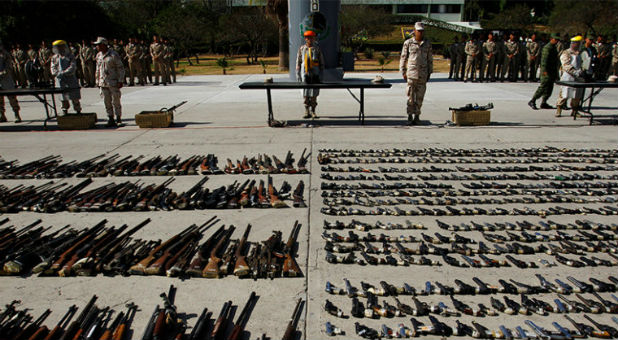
115	165
522	225
450	211
114	251
472	177
95	323
471	185
505	169
136	196
375	192
546	151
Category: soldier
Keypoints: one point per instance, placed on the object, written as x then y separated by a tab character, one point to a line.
45	55
490	49
480	59
471	50
533	52
7	83
134	54
157	52
118	47
512	58
146	61
590	61
169	59
19	64
614	68
452	56
461	59
63	67
604	53
571	62
561	45
309	69
549	73
500	56
32	68
109	78
88	57
79	73
523	59
416	66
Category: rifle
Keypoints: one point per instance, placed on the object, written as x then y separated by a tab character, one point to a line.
290	266
143	204
212	267
116	246
195	268
302	162
299	201
292	324
62	324
241	268
289	164
64	257
218	330
121	329
243	317
73	328
199	330
28	331
235	196
83	255
275	202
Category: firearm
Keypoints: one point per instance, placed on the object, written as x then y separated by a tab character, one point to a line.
232	203
65	256
297	195
115	247
108	332
143	203
55	333
87	250
290	266
166	318
148	331
218	330
275	202
199	330
302	162
605	329
182	202
212	267
241	322
241	268
121	330
293	323
71	331
196	266
33	327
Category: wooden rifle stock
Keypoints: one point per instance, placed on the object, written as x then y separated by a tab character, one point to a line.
107	334
275	202
63	257
291	328
242	318
195	268
218	330
158	332
212	267
241	268
290	266
121	329
59	329
140	268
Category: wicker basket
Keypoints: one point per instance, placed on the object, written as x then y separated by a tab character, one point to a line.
81	121
475	117
154	119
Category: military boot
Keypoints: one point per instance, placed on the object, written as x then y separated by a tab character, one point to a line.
2	117
307	113
313	114
111	122
558	110
17	117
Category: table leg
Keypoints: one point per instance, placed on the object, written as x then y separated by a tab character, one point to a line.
590	105
270	107
361	114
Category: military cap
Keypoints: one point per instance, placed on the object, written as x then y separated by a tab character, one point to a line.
555	36
100	40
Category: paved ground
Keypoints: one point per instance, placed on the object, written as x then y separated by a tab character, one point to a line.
219	118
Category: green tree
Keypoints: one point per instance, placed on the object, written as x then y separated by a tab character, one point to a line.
516	17
591	16
278	9
360	23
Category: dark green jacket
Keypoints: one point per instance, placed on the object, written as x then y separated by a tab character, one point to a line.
550	62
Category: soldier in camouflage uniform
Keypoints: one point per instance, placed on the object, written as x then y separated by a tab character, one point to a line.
118	47
572	70
134	53
169	59
500	56
452	56
471	50
157	52
512	58
19	65
461	59
45	55
490	49
88	56
533	52
416	66
614	68
549	73
604	53
7	83
146	61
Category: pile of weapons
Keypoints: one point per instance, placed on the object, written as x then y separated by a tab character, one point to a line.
92	323
115	165
113	251
484	177
475	171
136	196
528	305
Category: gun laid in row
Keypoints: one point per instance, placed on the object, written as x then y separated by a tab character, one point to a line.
113	165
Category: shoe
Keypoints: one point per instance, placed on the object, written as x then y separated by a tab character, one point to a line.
546	106
119	122
131	84
111	123
155	84
18	120
307	114
558	111
416	119
3	118
314	115
532	104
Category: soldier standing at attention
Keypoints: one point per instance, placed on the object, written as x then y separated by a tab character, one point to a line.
416	66
461	59
309	69
549	73
88	63
500	56
169	59
157	52
146	61
571	62
133	52
533	50
614	68
63	67
7	83
109	77
512	58
604	53
45	55
20	58
489	53
471	50
452	56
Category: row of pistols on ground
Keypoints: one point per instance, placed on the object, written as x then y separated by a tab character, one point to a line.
166	322
36	250
53	197
453	156
115	165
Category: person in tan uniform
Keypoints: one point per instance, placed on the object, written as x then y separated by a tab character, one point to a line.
157	52
533	50
490	49
146	61
309	69
134	53
88	58
511	64
416	66
169	61
45	55
614	68
471	50
604	53
19	65
109	78
461	59
571	62
7	83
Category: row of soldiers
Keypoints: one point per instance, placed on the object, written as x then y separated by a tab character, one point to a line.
31	67
498	57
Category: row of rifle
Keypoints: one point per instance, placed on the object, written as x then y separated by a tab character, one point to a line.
336	191
137	196
115	165
114	251
470	186
472	177
546	151
95	323
324	159
500	169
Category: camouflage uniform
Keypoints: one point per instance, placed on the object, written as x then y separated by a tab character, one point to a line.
63	68
45	55
614	68
19	65
157	52
571	62
604	53
511	60
461	60
109	75
7	83
452	56
490	49
500	56
146	62
471	50
88	56
169	59
549	73
134	54
309	69
416	63
533	51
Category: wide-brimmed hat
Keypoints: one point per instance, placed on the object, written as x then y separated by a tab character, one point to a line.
100	40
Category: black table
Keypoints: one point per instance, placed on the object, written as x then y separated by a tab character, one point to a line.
356	84
595	88
41	95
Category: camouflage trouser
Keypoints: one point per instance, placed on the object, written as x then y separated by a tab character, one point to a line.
111	98
160	70
470	68
14	104
490	68
172	69
545	89
416	92
76	105
531	68
311	102
562	100
614	68
135	70
89	68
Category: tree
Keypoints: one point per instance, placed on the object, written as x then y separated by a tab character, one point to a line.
360	23
278	9
592	16
247	29
517	17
